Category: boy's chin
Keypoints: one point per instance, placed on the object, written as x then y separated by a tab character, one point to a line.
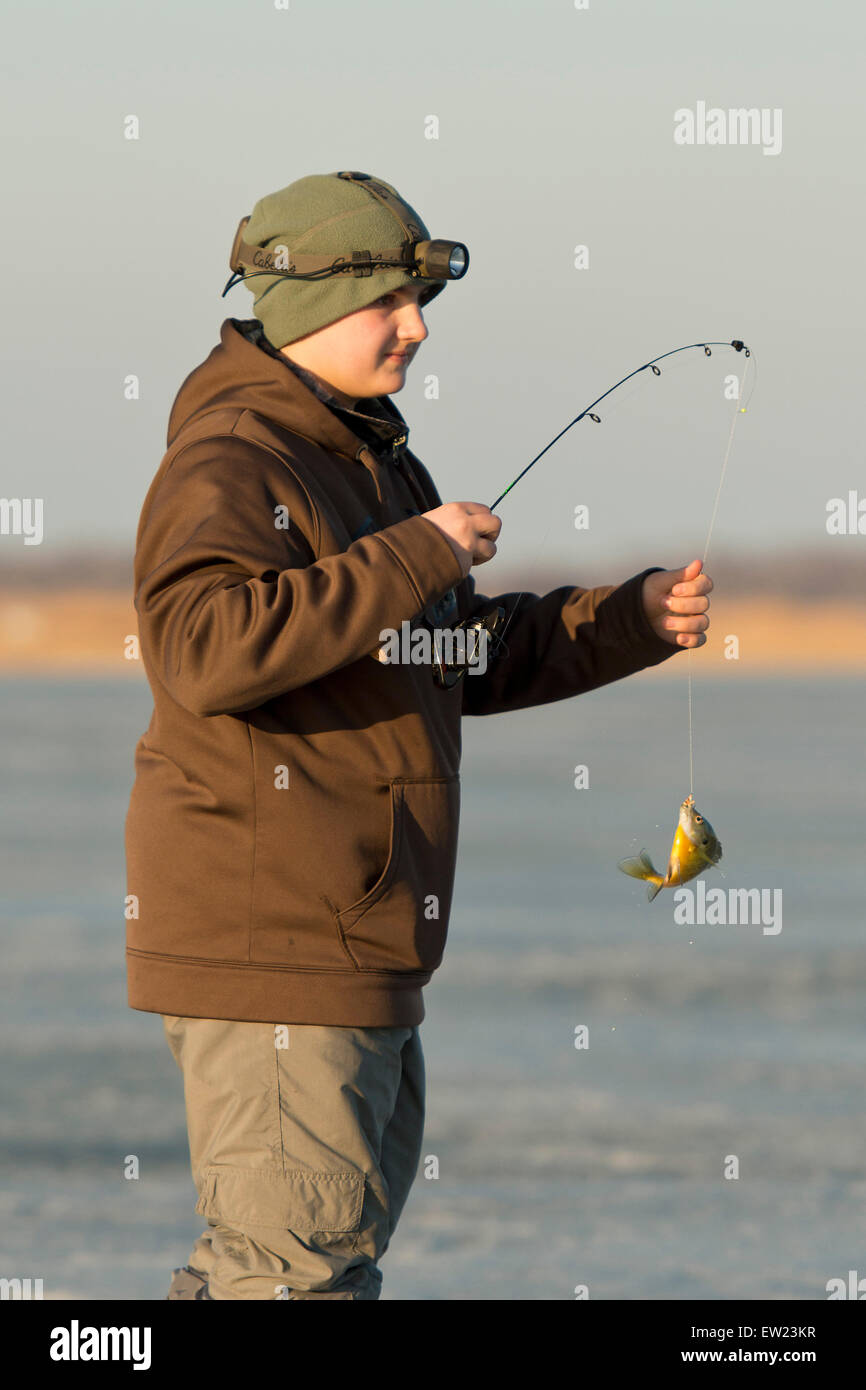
390	378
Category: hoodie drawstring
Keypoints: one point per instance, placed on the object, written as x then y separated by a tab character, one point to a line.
366	456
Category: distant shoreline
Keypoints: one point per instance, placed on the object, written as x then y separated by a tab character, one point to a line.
86	632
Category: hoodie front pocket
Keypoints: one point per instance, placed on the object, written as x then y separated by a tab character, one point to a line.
401	923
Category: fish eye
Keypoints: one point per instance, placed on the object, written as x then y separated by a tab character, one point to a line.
699	819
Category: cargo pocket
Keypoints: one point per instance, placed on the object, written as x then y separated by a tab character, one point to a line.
301	1202
401	923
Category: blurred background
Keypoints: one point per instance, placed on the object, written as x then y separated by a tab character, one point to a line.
525	130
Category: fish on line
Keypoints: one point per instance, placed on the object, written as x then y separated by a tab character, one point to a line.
695	848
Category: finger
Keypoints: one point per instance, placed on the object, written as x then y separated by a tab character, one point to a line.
702	585
699	624
687	605
690	571
685	639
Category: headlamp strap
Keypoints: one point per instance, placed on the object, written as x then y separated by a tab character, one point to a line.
279	262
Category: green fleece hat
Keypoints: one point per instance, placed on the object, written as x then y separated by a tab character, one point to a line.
325	214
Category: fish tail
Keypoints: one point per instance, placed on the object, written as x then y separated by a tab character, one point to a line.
642	867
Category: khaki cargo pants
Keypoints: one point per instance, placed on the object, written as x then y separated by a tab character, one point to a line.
302	1155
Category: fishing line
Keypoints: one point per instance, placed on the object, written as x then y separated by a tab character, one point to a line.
738	411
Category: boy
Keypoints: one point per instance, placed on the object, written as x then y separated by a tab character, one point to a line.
292	832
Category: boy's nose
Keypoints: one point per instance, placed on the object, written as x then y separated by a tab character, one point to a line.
411	326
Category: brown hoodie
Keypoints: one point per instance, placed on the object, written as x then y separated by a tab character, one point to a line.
291	837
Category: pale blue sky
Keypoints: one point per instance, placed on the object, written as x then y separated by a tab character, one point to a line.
556	128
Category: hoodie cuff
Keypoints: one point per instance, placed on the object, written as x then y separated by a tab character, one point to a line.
636	628
425	556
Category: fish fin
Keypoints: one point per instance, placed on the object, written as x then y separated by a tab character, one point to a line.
637	867
653	888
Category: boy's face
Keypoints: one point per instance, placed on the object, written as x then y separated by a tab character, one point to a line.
365	353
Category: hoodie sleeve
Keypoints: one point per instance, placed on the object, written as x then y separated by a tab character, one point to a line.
564	643
234	609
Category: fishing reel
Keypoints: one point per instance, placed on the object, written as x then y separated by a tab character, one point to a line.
422	259
446	674
465	641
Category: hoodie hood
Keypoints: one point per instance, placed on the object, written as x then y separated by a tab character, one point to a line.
244	372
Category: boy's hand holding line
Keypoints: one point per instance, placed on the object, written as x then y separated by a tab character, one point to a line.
471	528
675	603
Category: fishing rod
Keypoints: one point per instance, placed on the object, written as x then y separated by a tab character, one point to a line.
494	623
736	343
